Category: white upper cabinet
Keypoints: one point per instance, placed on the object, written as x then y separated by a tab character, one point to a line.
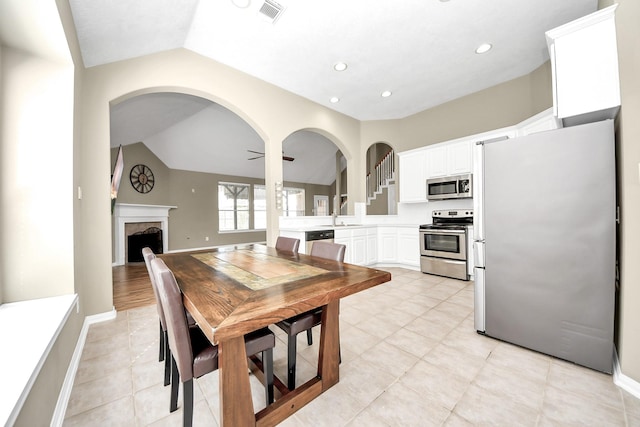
413	176
449	159
584	65
443	159
437	160
460	158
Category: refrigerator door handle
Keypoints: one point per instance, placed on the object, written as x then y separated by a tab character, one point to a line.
478	191
478	300
478	254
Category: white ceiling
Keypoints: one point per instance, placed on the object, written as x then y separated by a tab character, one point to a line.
421	50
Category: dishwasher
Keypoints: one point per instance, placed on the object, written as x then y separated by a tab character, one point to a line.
313	236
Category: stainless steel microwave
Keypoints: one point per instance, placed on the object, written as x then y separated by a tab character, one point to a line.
450	187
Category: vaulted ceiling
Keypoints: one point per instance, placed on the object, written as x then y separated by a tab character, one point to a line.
422	51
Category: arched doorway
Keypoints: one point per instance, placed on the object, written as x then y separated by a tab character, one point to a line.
381	180
206	161
317	175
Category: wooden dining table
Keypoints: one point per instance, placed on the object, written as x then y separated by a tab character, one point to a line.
232	291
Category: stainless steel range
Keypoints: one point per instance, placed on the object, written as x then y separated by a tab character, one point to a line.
443	244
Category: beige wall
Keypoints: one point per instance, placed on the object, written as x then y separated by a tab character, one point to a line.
503	105
196	198
628	34
135	154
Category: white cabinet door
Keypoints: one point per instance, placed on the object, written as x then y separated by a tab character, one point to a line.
412	175
359	249
372	246
344	237
584	64
459	158
437	161
387	244
409	246
449	159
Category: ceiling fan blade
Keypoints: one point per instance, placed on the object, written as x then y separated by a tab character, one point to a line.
253	158
255	152
288	159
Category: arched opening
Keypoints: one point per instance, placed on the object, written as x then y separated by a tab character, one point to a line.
206	161
318	175
381	180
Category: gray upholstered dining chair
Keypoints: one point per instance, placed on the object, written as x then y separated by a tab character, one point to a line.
192	354
165	352
287	244
307	320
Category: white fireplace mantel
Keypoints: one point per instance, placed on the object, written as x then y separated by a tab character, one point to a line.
126	213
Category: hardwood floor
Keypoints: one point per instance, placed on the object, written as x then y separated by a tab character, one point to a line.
132	287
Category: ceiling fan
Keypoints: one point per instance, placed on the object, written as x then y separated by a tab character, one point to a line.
261	155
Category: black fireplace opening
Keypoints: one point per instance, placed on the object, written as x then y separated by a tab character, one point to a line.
151	237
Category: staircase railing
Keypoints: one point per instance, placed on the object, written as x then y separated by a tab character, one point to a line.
383	172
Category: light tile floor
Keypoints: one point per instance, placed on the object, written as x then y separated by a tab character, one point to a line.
410	357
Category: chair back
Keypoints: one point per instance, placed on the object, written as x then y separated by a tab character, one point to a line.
287	244
177	327
148	255
328	250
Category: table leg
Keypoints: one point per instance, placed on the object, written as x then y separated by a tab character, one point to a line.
329	357
236	406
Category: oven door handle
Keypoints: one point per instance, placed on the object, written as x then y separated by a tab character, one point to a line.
444	231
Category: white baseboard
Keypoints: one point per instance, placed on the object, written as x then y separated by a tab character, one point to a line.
63	398
624	382
396	265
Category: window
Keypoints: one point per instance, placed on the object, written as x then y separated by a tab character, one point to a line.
233	206
293	202
259	207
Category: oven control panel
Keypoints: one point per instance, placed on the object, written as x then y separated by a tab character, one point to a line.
453	213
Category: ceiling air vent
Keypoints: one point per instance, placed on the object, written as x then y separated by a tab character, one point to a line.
271	10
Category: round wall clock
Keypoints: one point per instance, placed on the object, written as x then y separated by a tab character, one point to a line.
142	178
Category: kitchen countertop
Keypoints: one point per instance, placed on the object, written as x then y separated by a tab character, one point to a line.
303	228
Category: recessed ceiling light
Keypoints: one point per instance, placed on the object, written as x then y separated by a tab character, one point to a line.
483	48
386	94
340	66
334	99
241	3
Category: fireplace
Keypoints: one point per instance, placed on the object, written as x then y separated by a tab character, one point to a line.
150	237
130	219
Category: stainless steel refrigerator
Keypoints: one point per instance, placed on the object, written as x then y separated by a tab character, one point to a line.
544	242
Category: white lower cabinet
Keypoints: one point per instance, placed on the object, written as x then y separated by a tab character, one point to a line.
359	246
343	236
372	245
357	243
387	244
408	246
